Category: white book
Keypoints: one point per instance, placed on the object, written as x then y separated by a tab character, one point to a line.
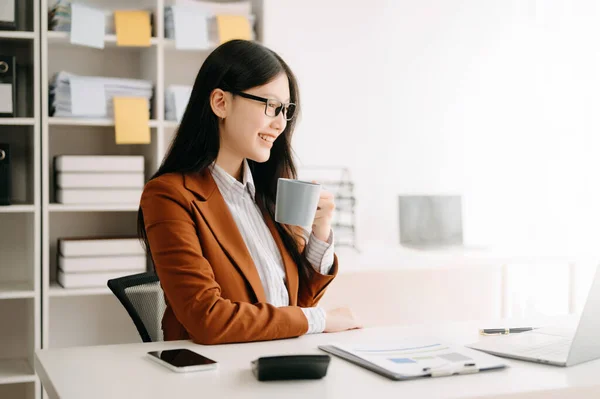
102	264
72	247
99	163
73	196
100	180
83	280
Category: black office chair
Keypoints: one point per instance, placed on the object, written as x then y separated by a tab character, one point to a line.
143	298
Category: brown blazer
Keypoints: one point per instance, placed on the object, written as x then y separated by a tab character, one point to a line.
213	291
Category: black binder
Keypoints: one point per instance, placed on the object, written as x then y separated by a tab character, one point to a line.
8	82
5	180
8	14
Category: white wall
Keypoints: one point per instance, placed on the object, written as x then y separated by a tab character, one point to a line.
496	100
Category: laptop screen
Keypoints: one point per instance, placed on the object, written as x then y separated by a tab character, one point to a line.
430	220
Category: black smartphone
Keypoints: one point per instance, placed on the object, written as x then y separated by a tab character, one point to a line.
183	360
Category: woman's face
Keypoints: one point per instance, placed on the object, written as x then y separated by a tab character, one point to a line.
247	132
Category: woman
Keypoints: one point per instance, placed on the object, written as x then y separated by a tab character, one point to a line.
228	271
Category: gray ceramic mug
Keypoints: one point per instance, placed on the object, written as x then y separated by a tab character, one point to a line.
296	202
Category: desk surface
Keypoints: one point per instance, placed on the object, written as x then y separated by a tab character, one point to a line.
124	371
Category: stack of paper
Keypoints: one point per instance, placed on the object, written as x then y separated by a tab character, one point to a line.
194	24
176	100
59	17
101	179
92	96
409	358
91	262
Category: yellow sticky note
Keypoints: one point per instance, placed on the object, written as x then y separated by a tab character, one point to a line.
133	28
131	120
233	27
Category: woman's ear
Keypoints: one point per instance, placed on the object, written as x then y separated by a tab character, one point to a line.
219	103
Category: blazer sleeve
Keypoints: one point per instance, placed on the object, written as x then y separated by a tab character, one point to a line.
189	284
312	284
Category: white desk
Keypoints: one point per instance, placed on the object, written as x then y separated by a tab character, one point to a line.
123	371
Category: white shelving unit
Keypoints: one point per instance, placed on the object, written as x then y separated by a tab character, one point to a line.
41	313
92	316
20	223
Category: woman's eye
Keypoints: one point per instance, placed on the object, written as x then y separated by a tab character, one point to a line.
273	105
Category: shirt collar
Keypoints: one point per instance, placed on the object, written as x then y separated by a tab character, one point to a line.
229	186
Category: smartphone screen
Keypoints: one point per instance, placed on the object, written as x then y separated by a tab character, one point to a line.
182	357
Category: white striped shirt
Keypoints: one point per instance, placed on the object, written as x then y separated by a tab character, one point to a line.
240	198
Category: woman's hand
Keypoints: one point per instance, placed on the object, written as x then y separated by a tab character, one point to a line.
341	319
322	224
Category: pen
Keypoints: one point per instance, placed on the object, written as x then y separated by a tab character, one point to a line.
495	331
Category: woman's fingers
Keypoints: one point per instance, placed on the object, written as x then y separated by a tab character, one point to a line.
320	214
326	194
328	204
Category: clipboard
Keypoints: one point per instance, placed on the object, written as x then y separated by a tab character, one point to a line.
400	362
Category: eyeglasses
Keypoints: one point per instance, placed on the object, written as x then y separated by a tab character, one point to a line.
272	107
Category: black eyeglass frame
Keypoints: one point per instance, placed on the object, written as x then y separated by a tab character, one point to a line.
266	101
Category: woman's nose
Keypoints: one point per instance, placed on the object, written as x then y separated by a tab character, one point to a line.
279	122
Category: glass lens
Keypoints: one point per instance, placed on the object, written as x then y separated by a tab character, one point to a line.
273	108
290	111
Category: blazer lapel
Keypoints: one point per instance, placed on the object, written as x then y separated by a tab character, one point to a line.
291	270
216	213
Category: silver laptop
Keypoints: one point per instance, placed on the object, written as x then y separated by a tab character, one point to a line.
559	346
430	221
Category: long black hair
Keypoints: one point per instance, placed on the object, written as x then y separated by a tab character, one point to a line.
236	65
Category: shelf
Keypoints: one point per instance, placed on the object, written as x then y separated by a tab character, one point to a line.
169	44
23	35
17	208
57	291
93	208
15	371
16	290
109	40
53	121
171	124
16	121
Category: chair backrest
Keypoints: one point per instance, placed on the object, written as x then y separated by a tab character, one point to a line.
143	298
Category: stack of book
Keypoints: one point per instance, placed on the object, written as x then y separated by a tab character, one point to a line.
91	262
103	179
